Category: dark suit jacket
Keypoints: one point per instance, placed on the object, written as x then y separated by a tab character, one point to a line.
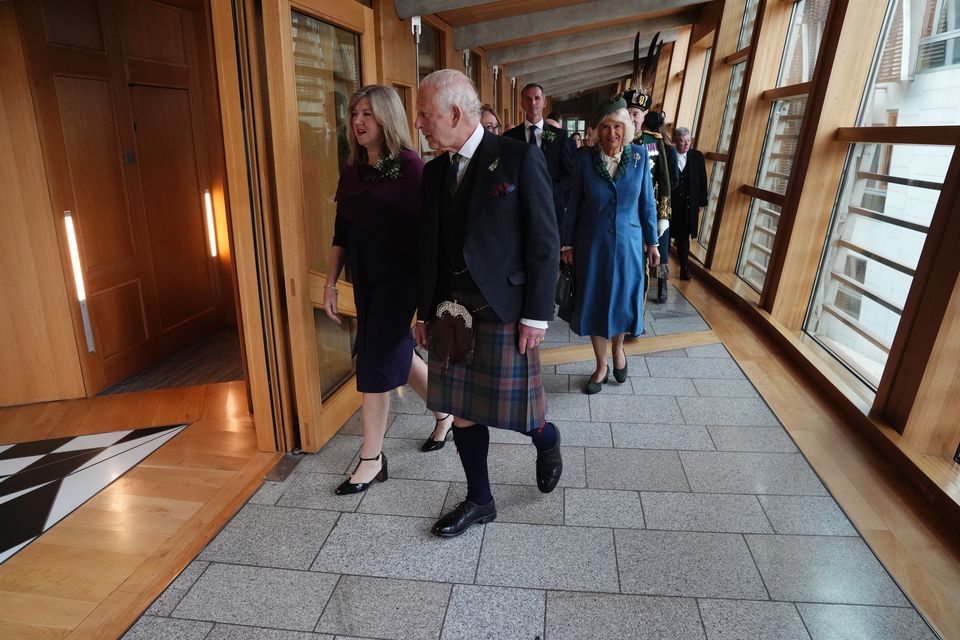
559	155
512	246
686	211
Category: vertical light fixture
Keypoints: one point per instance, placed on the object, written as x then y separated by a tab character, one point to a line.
211	229
78	279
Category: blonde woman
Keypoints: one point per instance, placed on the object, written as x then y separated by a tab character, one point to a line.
378	206
610	223
489	120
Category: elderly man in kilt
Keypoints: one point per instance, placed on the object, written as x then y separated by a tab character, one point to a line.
487	278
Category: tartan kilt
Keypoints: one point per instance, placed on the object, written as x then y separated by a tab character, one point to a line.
500	388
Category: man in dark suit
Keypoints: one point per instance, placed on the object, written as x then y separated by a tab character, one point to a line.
488	263
688	197
550	139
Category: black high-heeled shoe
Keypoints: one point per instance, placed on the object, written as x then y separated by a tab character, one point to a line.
432	445
620	375
347	487
594	387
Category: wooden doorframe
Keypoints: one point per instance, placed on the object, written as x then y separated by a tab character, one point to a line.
318	420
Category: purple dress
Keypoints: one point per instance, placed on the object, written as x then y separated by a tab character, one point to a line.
377	223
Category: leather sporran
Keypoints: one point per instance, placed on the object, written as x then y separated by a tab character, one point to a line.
452	334
564	294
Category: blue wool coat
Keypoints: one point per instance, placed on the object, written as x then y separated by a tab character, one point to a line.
608	221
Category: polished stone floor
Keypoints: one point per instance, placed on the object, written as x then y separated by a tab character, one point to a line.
685	511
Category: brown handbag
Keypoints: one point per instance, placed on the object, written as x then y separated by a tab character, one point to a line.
451	334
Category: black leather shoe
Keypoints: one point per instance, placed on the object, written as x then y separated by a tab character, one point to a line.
432	445
347	487
594	387
463	515
661	290
549	467
684	274
620	375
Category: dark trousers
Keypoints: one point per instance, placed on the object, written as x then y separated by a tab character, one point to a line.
682	241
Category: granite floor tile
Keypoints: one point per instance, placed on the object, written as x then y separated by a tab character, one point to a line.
354	426
695	368
635	469
278	537
806	516
168	600
823	569
516	464
661	436
716	513
386	608
335	457
255	596
663	386
735	472
742	412
316	491
708	351
585	434
581	368
577	616
671	327
543	557
236	632
682	563
401	497
405	400
745	620
508	436
649	409
398	547
410	425
669	353
602	508
268	493
405	460
578	384
151	628
720	388
567	406
763	439
494	613
849	622
555	382
516	503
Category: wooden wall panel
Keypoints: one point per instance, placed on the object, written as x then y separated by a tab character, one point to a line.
38	349
172	196
690	94
152	31
663	70
675	74
73	23
120	318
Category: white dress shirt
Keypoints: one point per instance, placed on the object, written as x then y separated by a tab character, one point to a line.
681	161
526	130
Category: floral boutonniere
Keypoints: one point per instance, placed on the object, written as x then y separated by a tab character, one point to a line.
548	136
493	165
388	167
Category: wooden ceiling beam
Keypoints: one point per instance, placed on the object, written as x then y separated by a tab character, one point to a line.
408	8
560	76
605	41
535	23
582	59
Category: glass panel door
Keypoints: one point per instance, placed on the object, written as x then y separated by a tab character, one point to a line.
321	54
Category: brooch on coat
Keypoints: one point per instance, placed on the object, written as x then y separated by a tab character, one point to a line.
494	165
636	159
502	189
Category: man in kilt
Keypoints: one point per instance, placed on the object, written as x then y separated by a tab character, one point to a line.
489	258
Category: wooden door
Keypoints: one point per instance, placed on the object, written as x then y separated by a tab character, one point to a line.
318	53
116	90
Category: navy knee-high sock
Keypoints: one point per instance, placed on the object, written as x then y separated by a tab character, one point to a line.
544	438
473	442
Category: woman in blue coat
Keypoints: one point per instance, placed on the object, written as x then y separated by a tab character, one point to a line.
610	223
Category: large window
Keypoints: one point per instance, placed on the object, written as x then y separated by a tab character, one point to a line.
788	102
886	201
940	35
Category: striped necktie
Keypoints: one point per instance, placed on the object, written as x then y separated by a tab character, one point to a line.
452	172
